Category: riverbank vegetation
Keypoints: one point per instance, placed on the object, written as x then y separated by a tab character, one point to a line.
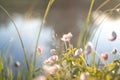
66	62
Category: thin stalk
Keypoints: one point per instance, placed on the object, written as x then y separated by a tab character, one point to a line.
100	57
104	3
84	60
22	44
41	27
93	58
87	21
65	46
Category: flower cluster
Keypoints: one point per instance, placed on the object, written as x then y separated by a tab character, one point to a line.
73	61
50	66
67	37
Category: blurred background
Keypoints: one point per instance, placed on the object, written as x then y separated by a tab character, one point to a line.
64	16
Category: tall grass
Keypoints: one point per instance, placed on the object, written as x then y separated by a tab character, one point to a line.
69	66
85	36
23	47
41	27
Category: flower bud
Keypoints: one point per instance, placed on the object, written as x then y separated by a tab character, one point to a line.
67	37
114	51
17	64
112	36
105	56
78	52
53	51
88	48
40	50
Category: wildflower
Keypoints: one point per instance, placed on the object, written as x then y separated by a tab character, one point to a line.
112	36
40	50
17	64
54	58
88	48
51	69
53	51
84	76
48	62
78	52
105	56
114	51
40	78
67	37
51	60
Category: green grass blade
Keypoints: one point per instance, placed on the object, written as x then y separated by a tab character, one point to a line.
41	27
17	33
87	21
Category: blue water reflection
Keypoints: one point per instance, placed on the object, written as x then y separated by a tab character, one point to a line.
28	28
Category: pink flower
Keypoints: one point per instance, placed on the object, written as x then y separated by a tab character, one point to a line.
67	37
41	78
78	52
88	48
51	59
54	58
51	69
112	36
84	76
48	62
40	50
105	56
53	51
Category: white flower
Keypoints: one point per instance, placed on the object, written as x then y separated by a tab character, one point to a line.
51	59
112	36
67	37
54	58
84	76
89	48
41	78
51	69
48	62
53	51
78	52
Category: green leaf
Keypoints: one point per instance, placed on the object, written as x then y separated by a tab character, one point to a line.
1	65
